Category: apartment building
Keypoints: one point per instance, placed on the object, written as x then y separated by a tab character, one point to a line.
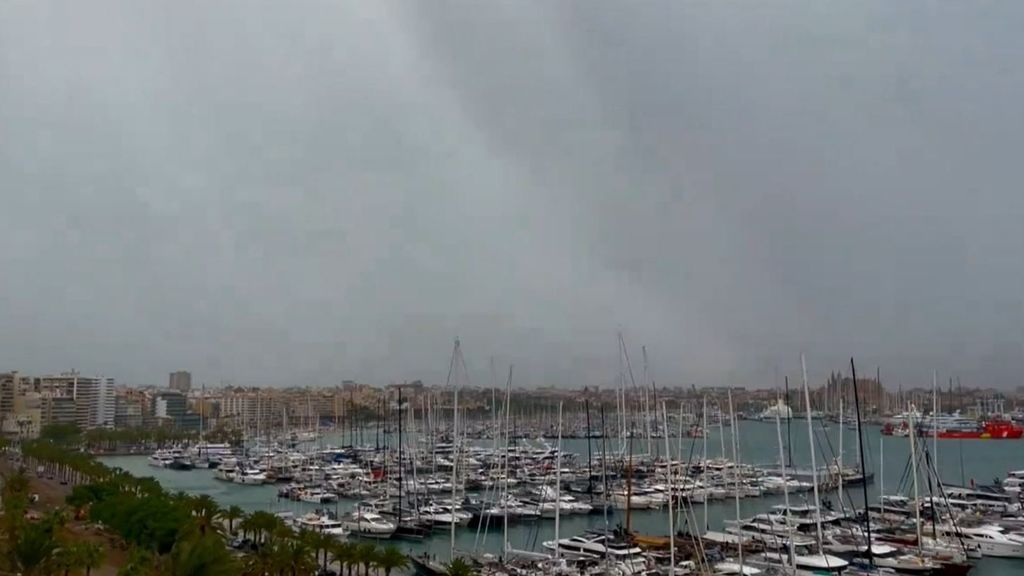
94	397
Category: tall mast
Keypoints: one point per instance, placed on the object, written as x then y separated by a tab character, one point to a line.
704	465
810	438
935	421
590	458
721	429
645	398
202	394
622	393
881	473
839	460
736	474
455	443
400	454
785	482
508	432
679	458
494	404
913	462
629	467
860	449
259	416
629	486
860	441
789	435
558	482
671	494
604	479
884	402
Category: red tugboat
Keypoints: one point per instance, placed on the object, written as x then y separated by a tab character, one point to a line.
991	430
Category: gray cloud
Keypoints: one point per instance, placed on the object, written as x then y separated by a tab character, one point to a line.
294	193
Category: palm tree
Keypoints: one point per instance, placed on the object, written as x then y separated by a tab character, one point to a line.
391	558
140	563
91	556
33	547
318	541
342	552
260	562
365	554
459	567
205	514
263	525
204	556
295	556
66	558
245	526
231	514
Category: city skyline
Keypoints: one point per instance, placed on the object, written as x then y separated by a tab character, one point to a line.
815	380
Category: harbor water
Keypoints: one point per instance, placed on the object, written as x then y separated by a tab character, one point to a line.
959	461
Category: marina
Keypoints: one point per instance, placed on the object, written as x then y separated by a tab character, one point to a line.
504	503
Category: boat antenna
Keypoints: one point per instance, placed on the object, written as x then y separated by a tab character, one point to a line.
810	439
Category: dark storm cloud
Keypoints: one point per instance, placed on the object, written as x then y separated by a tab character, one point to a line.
293	193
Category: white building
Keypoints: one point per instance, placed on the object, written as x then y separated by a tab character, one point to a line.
95	403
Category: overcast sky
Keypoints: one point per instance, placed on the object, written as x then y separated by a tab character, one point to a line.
291	193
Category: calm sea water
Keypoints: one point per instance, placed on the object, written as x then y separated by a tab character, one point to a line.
959	461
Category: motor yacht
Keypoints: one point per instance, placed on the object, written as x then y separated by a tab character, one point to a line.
321	522
598	546
250	476
441	515
316	496
366	522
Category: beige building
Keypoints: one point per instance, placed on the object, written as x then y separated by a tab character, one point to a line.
20	415
57	410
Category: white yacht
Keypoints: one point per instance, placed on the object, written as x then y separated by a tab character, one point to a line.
802	560
776	485
317	496
366	522
566	503
210	452
440	515
515	509
173	459
771	534
597	546
250	476
990	541
321	523
1012	485
730	568
161	459
636	501
227	470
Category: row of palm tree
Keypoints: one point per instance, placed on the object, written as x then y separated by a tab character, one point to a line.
177	534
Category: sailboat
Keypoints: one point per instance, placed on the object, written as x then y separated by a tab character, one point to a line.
407	525
801	555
